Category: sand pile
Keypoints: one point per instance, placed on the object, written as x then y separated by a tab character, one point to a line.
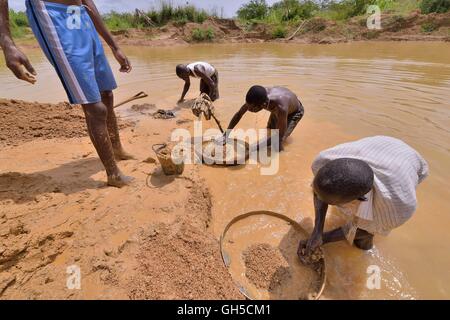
181	264
269	269
265	267
149	240
25	121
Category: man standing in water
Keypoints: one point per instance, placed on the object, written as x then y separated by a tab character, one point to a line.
373	181
209	78
67	33
285	109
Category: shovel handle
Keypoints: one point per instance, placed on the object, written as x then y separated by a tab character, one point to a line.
137	96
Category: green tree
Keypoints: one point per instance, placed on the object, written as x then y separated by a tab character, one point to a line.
255	9
292	9
439	6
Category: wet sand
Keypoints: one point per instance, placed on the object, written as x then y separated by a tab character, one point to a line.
147	241
349	91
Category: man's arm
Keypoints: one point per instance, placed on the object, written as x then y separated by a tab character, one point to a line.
282	127
125	65
187	85
237	117
316	240
16	61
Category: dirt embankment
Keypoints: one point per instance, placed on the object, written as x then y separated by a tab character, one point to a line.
26	121
146	241
415	27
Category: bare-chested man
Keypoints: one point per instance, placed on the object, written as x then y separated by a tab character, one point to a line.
209	78
285	109
67	33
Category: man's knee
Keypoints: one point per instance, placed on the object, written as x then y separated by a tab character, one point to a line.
107	94
96	110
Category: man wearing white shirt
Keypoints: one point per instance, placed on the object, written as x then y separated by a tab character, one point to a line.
373	181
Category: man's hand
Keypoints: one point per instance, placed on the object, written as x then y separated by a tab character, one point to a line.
122	59
19	64
314	243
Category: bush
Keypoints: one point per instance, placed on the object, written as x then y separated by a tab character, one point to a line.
279	32
18	23
120	21
203	34
295	10
347	8
180	15
438	6
428	27
254	10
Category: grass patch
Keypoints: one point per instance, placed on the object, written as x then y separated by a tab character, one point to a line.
201	35
428	27
18	23
280	32
438	6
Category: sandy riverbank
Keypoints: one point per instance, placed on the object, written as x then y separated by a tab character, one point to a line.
415	27
147	241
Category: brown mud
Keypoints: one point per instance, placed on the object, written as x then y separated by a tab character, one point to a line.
23	121
150	240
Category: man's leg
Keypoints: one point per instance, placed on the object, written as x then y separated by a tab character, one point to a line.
113	128
215	91
363	239
293	120
204	88
96	115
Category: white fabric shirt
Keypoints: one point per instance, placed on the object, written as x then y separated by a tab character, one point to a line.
398	169
210	70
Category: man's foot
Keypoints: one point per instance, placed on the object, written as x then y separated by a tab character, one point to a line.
364	244
119	181
123	155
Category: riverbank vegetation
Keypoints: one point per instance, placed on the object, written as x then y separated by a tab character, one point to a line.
286	13
278	20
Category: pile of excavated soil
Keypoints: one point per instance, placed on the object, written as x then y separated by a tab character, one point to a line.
23	121
147	240
265	267
181	264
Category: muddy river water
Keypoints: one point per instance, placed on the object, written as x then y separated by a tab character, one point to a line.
349	91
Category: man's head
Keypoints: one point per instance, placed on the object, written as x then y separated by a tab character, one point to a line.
343	180
257	98
182	71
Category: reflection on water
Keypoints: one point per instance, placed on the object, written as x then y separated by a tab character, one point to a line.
349	91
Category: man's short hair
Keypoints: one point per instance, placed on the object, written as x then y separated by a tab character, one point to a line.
257	95
344	178
181	70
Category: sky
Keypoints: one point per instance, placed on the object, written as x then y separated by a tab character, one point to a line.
229	6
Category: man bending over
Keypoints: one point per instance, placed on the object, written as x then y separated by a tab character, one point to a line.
373	182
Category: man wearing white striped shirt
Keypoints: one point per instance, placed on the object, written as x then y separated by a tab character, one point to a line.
373	181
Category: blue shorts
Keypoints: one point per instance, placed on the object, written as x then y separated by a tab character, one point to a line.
72	45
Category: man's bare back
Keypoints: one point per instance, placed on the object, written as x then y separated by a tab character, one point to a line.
284	99
285	109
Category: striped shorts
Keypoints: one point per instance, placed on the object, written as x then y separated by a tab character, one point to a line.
70	42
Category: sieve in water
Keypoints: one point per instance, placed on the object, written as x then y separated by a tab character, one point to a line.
319	267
